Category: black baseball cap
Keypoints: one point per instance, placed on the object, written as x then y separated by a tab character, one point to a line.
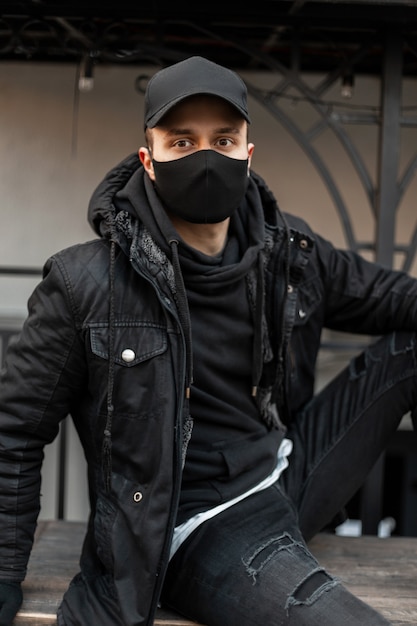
193	76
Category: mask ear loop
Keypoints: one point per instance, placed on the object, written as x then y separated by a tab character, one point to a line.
149	149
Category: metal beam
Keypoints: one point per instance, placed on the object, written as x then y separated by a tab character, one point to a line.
389	150
387	198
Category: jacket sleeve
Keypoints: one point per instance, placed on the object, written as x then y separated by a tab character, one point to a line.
43	369
365	297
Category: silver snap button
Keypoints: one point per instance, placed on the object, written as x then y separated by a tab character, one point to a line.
302	313
290	288
128	355
137	496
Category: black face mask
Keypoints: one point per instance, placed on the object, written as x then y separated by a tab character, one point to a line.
203	188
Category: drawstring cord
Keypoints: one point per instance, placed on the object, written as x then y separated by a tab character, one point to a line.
107	443
257	340
184	314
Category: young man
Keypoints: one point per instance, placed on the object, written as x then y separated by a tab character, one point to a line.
183	343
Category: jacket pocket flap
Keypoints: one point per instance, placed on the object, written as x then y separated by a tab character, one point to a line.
132	344
308	301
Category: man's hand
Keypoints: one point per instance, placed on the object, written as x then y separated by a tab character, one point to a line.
11	598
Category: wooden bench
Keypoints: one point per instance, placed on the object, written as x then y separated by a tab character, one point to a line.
383	572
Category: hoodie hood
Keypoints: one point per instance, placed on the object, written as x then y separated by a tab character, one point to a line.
101	210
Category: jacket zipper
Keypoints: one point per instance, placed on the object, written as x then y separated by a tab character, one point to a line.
166	304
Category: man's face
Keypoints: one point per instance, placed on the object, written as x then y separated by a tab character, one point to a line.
198	123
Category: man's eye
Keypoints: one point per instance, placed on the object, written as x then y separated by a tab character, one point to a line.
225	141
182	143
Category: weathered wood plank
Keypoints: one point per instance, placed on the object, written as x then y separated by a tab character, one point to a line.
383	572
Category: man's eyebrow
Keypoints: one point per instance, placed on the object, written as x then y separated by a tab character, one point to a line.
179	131
223	130
230	130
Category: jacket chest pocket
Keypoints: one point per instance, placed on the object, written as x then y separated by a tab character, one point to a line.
131	344
140	370
306	303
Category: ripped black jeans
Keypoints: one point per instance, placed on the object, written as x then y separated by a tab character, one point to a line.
250	565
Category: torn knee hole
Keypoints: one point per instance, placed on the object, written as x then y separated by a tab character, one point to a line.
257	560
311	585
311	589
265	551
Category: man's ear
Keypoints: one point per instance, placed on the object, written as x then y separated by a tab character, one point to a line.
251	148
146	160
